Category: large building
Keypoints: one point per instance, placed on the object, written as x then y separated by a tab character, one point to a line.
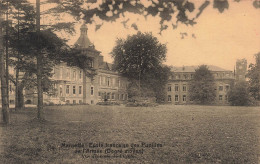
178	84
73	86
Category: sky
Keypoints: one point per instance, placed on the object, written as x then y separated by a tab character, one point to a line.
218	38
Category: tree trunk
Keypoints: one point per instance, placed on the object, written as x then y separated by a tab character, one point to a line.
7	53
17	69
39	65
20	97
4	90
19	100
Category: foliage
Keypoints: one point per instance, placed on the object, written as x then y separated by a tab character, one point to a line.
239	94
254	78
202	88
109	10
138	54
140	58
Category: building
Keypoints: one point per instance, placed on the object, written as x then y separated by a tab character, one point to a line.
73	86
178	85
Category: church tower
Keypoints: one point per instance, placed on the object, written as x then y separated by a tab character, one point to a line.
241	70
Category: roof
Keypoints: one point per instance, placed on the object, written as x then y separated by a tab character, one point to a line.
193	68
83	41
106	66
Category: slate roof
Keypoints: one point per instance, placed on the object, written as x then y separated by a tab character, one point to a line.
83	41
106	66
193	68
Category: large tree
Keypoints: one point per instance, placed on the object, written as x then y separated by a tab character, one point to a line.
254	78
140	58
202	88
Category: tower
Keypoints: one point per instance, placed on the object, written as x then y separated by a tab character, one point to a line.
241	69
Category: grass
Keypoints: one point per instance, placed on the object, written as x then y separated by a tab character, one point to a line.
188	134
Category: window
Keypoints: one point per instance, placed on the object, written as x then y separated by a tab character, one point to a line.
184	88
61	90
191	76
74	90
176	87
126	96
103	80
92	90
99	94
108	95
113	81
80	74
169	88
226	97
60	75
185	77
169	98
122	96
74	75
67	89
100	80
184	98
67	101
74	101
91	63
68	73
220	88
113	96
80	90
80	101
220	97
108	81
227	87
176	98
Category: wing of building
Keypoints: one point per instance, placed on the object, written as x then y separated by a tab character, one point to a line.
178	85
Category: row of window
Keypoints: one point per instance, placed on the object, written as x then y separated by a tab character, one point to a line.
67	74
112	96
221	97
176	88
184	88
184	98
221	88
74	90
190	76
111	81
176	98
179	76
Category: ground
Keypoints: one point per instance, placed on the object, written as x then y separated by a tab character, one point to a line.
165	134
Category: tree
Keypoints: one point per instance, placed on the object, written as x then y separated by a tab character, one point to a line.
202	88
140	58
4	89
254	78
109	10
239	94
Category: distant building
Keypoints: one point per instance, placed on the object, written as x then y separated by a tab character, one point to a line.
178	85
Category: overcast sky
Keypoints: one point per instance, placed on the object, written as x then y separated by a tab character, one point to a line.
218	38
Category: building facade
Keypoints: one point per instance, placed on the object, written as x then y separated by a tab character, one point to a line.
73	86
178	85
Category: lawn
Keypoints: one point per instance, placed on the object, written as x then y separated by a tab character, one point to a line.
117	134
